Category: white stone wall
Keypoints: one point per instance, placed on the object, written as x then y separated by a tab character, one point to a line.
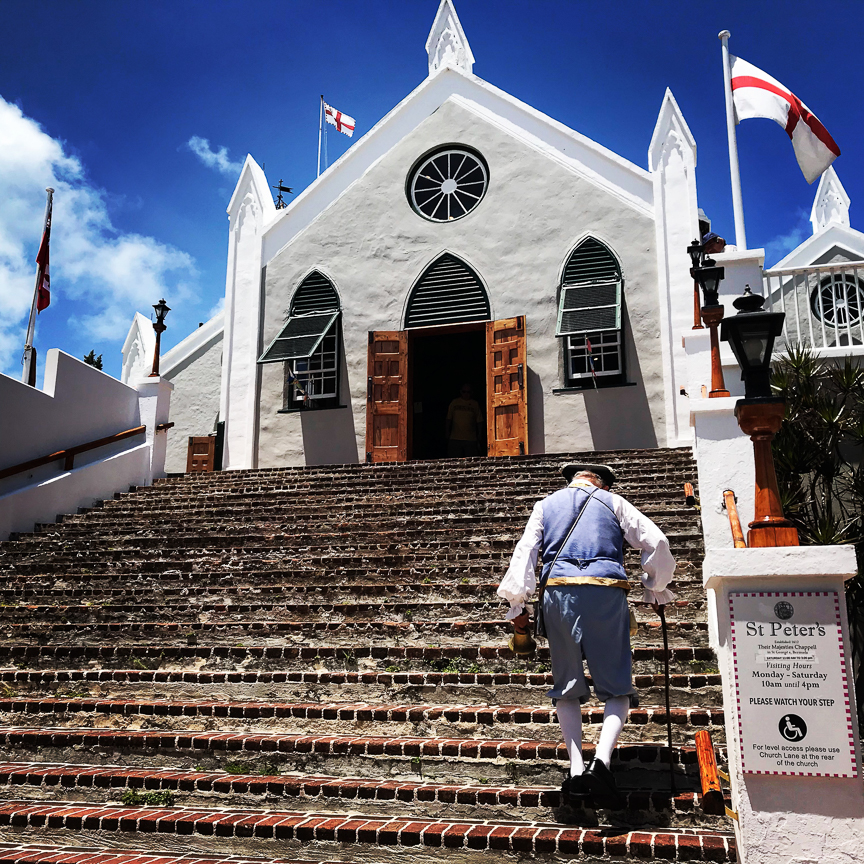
373	247
195	402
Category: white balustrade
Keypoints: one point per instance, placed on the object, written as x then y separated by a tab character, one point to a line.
824	306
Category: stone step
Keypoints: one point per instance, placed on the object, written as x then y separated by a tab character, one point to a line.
442	610
158	661
247	830
645	723
686	690
638	766
516	509
120	784
31	594
268	632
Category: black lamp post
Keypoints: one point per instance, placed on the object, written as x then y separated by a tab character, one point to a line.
694	250
709	276
751	334
162	309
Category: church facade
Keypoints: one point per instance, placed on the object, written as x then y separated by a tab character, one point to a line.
466	239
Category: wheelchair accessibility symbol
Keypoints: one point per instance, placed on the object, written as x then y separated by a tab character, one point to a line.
792	727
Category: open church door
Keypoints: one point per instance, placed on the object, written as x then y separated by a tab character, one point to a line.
506	405
387	397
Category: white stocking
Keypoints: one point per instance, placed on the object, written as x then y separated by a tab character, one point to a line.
614	718
570	719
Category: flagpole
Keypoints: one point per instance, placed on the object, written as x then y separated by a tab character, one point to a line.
734	170
28	375
320	124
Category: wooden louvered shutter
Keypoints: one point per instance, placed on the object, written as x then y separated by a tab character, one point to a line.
506	403
590	298
448	292
387	397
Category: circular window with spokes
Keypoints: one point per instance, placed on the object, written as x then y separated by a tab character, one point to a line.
839	300
448	185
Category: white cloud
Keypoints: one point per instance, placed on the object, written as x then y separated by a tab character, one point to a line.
216	159
109	273
780	246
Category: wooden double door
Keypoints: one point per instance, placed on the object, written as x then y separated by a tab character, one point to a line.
390	394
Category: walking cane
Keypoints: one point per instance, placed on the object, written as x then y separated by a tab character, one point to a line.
662	613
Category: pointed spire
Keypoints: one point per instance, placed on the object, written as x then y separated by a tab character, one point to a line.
447	44
831	204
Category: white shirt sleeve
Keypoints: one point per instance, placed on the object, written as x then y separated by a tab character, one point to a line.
520	580
657	561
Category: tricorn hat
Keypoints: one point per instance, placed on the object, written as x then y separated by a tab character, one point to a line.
604	472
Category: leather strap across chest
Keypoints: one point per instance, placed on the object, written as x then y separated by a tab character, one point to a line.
589	580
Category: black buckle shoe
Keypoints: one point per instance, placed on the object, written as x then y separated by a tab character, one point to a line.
574	791
602	787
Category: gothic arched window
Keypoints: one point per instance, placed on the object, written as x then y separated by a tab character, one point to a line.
309	346
589	316
448	292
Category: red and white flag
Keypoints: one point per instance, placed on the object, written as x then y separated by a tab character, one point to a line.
757	94
342	122
43	280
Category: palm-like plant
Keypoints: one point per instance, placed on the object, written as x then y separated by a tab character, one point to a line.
817	456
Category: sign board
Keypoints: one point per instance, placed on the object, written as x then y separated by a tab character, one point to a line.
790	681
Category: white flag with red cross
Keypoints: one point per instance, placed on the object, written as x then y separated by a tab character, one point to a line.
342	122
757	94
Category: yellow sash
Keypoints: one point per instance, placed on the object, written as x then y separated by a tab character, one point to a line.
589	580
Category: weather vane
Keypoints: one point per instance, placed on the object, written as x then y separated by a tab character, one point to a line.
280	201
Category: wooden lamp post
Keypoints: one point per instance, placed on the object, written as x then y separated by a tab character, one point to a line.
709	276
751	334
162	309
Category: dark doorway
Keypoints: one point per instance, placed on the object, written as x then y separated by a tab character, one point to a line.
440	363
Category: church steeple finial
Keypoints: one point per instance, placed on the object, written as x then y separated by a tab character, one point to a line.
447	44
831	203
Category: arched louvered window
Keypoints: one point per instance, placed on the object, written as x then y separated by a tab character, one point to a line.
589	315
448	292
308	344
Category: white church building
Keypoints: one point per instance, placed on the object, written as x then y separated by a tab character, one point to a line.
469	238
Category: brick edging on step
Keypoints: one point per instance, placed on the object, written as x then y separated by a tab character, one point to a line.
536	838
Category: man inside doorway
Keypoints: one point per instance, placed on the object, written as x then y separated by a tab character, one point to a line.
464	424
580	532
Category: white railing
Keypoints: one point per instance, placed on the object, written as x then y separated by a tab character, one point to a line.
824	305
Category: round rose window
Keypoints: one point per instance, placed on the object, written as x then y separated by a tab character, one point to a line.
448	184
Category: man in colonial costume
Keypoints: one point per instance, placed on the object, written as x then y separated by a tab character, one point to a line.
580	532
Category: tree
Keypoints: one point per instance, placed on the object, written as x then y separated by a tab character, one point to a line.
817	455
92	360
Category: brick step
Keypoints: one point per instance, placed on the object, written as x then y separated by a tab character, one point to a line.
265	632
246	830
459	759
686	690
112	784
643	723
282	660
457	609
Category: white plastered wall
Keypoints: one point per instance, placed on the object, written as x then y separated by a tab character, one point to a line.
672	160
194	367
373	247
250	208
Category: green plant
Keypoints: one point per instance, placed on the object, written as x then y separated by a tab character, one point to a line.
163	798
236	768
393	668
820	473
268	769
701	667
417	765
426	580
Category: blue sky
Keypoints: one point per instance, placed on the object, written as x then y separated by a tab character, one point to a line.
102	97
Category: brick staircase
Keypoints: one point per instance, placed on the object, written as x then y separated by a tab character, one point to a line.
310	665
